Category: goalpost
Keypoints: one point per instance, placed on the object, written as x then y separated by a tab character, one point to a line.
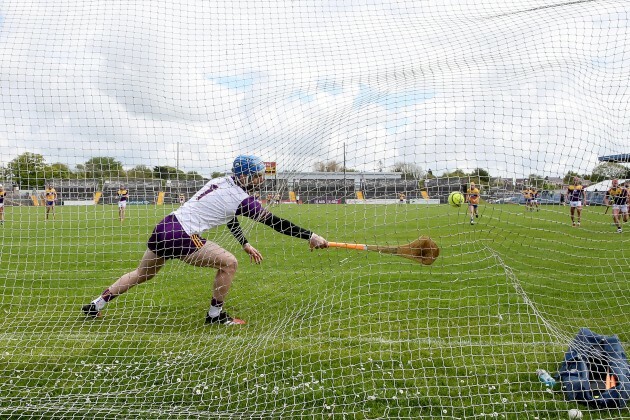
370	114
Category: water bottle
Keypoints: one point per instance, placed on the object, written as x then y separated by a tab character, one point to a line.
545	378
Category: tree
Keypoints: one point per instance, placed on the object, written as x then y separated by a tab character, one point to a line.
568	178
539	182
217	174
481	175
408	170
457	173
193	175
608	170
79	172
535	180
331	166
103	167
59	171
140	172
4	173
168	172
28	170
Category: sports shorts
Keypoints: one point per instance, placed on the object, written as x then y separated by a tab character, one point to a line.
169	240
576	203
122	204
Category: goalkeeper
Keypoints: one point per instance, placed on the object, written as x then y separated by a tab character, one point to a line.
218	203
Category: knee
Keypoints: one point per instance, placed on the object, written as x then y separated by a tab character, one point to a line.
229	263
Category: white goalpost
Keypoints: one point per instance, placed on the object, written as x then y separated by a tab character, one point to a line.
367	115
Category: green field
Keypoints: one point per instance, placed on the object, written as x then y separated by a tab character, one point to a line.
336	333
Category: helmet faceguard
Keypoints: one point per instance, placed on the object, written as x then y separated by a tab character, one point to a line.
246	167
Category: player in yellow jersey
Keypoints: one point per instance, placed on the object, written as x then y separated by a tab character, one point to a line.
3	194
472	197
123	196
617	197
528	194
577	198
50	196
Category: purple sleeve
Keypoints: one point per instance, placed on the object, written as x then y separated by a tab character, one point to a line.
254	210
250	207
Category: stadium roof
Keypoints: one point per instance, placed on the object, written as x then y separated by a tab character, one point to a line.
620	158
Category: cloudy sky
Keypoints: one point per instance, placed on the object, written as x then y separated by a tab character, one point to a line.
512	86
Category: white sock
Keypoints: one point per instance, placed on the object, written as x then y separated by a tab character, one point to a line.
214	311
99	302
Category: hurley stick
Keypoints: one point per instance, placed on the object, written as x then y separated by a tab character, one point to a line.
423	250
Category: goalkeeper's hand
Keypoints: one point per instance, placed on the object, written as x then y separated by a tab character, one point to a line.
254	255
317	242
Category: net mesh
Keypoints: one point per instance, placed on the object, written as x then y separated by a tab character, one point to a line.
368	114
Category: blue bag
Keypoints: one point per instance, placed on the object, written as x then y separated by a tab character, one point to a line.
595	371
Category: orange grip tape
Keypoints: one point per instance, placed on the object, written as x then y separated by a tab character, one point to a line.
360	247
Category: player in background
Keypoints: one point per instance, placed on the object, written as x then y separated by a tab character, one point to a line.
528	194
535	200
3	194
577	198
617	196
50	196
218	203
472	197
123	196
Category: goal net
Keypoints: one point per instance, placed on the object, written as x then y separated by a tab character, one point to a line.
367	115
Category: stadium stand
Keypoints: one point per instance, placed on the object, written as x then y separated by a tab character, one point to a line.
324	190
177	191
14	196
441	187
273	187
390	188
74	189
311	190
141	191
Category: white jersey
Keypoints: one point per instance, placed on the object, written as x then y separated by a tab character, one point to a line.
213	205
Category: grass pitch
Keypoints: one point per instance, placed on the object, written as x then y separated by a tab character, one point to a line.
332	333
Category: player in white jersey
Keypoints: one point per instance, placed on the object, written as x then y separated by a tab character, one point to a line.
218	203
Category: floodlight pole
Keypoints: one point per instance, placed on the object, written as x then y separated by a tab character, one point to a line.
177	160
